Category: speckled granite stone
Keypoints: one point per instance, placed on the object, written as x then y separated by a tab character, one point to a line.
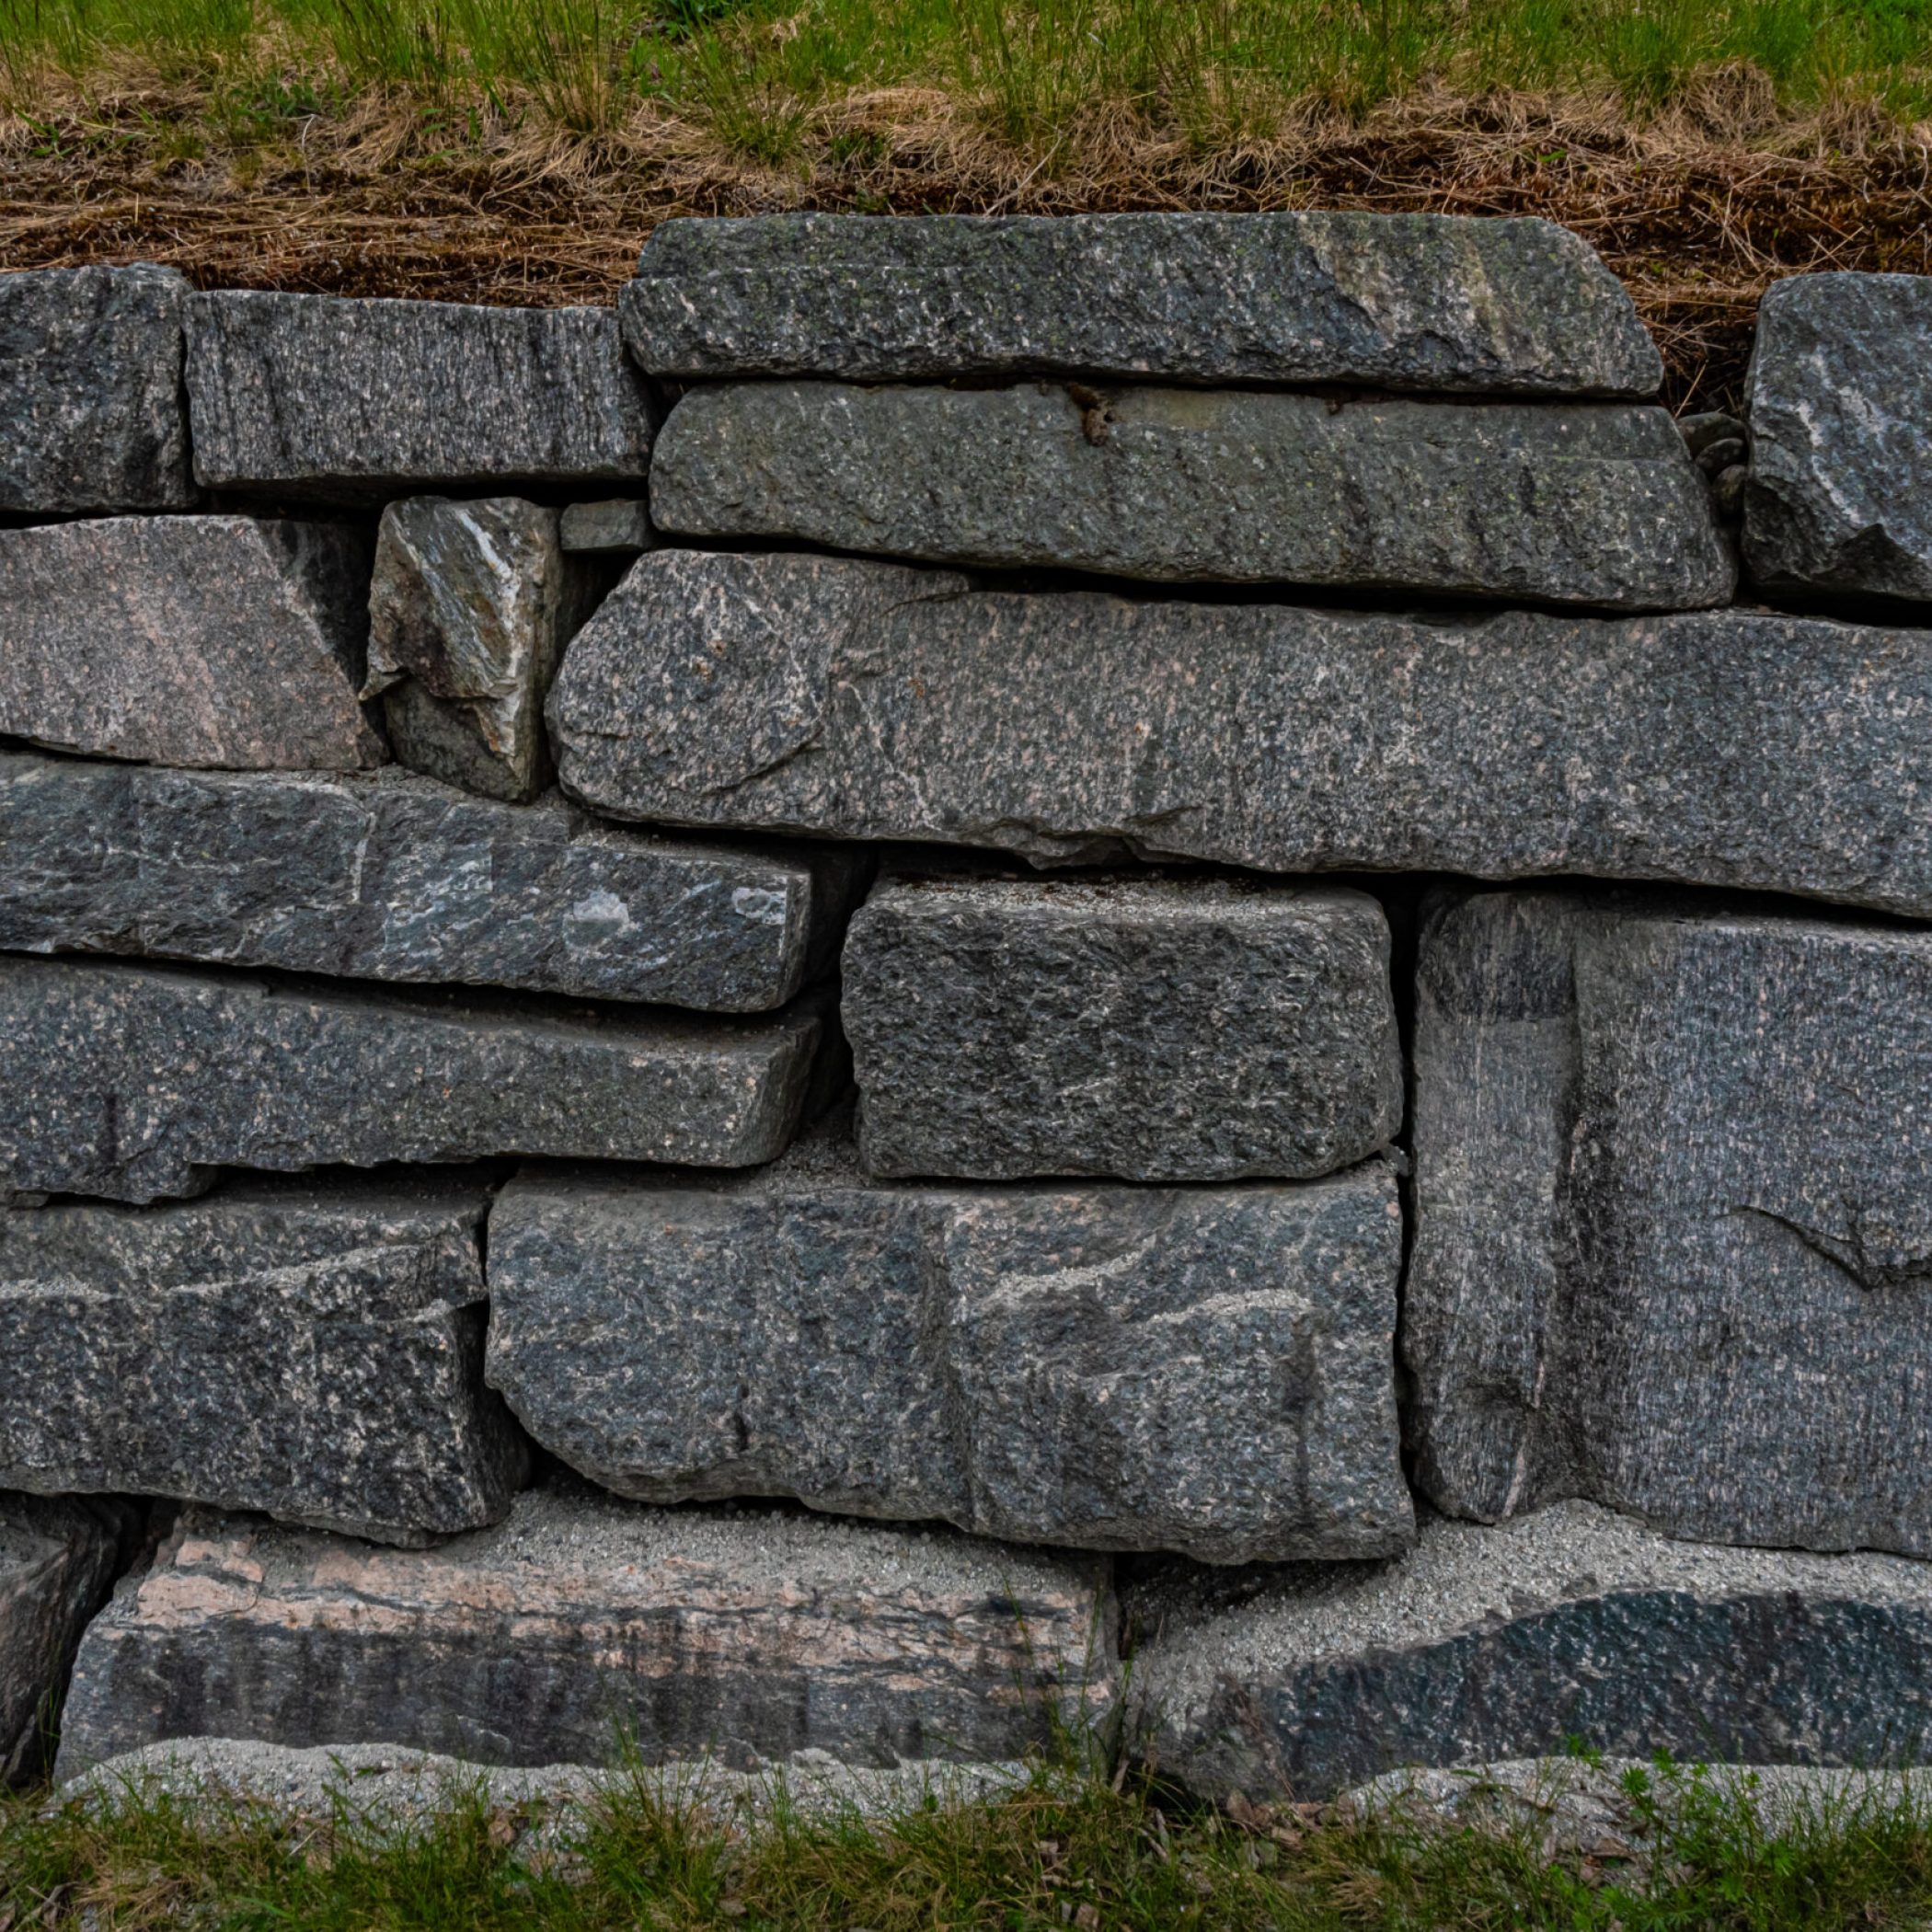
619	526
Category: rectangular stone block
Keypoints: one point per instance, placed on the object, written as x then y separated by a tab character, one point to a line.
1166	1030
619	526
205	640
393	876
1401	302
321	397
584	1624
1674	1218
835	697
314	1350
129	1083
1574	503
1205	1369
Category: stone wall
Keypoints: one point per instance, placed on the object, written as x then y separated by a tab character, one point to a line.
771	1023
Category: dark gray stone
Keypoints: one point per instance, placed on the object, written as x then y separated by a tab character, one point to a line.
1840	403
314	1351
129	1083
392	877
834	697
618	527
1170	1030
1402	302
204	641
1595	503
91	415
1104	1367
317	396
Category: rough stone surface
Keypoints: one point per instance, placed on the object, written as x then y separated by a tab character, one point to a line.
91	416
619	526
392	877
836	697
314	1351
1402	302
1167	1031
581	1620
206	640
318	396
1840	401
1485	1643
1580	504
130	1083
1111	1367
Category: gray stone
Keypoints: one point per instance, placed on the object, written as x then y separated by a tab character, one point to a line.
1727	491
582	1623
1595	503
1572	1625
317	396
91	417
834	697
1402	302
129	1083
1170	1030
618	527
393	876
314	1351
1674	1219
1106	1367
204	641
1704	432
1839	399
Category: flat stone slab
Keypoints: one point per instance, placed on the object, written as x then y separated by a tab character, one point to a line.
393	876
1840	403
583	1621
130	1083
91	416
1570	1624
617	526
1597	503
1170	1030
835	697
203	640
1206	1370
314	1350
326	396
1401	302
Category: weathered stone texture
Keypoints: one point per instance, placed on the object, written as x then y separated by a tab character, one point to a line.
1402	302
584	1622
1168	1030
1106	1367
1674	1205
129	1083
619	526
313	1350
842	698
206	640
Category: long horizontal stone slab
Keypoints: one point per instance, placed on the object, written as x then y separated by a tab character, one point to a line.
1163	1030
584	1623
394	877
836	697
1402	302
314	1351
201	640
1572	503
129	1083
1572	1625
1206	1370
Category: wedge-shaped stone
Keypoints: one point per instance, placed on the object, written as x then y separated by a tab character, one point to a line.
1402	302
1205	1369
129	1083
584	1622
1485	1643
1574	503
314	1351
392	877
1167	1031
861	700
317	396
204	641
